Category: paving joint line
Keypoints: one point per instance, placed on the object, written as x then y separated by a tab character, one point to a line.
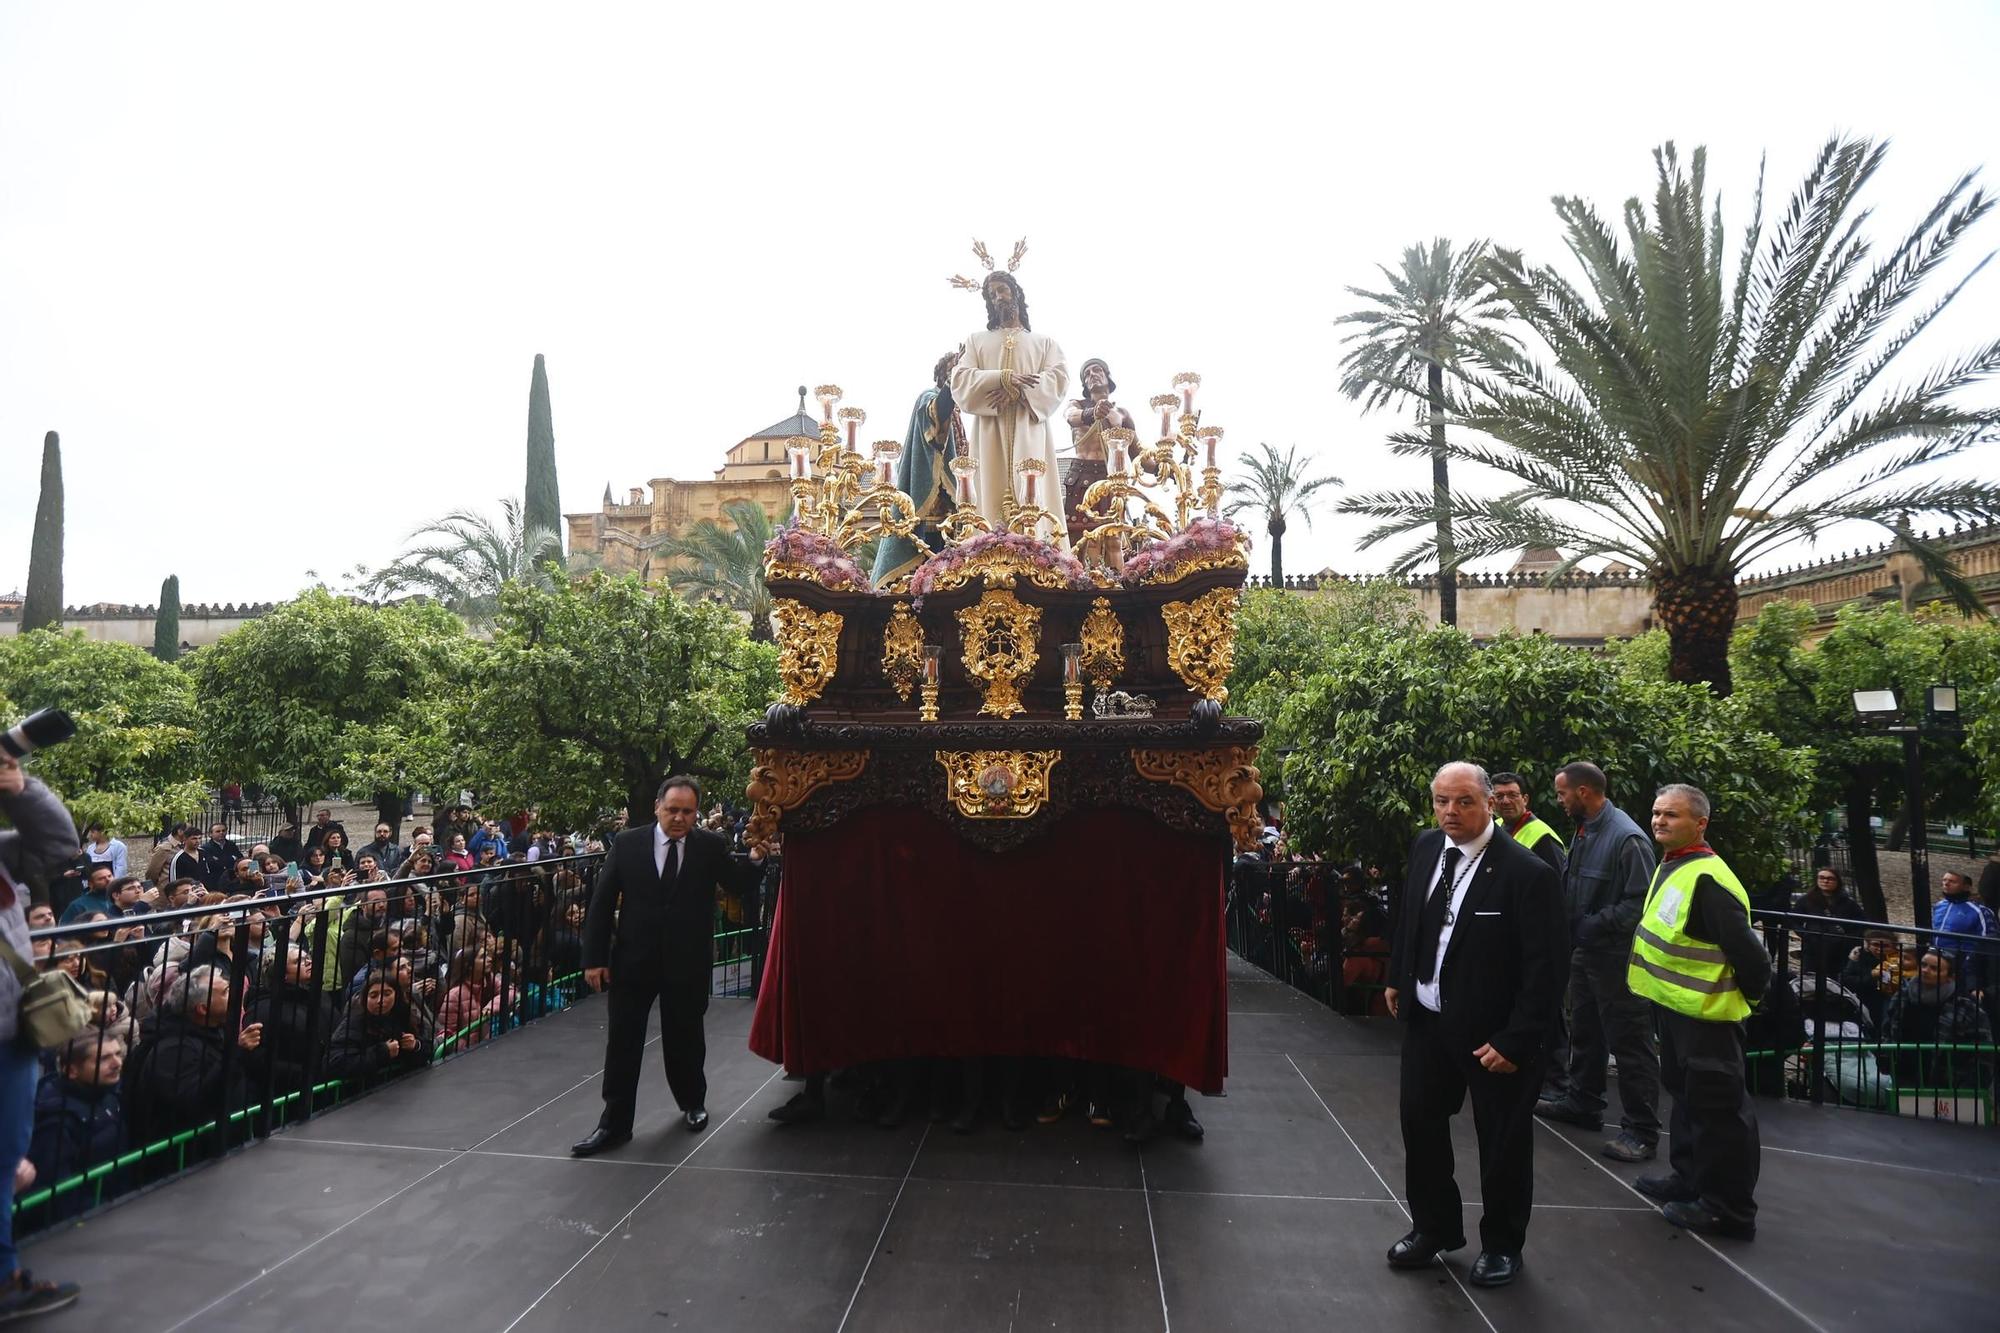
1696	1236
887	1218
1401	1207
658	1185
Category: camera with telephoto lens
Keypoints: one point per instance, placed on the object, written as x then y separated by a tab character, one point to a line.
36	731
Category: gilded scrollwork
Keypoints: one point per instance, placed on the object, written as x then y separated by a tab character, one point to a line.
1175	571
1001	648
1201	641
903	651
1001	567
808	649
781	779
1103	644
997	784
1222	777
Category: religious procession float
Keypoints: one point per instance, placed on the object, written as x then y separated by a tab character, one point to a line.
1004	779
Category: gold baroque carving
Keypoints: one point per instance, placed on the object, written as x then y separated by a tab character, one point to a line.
808	649
1223	778
1201	641
1001	637
781	779
903	651
997	784
1103	644
1232	558
1000	567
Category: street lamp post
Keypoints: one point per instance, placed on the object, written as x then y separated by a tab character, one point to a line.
1881	710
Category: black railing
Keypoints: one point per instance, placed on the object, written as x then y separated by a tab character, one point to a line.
222	1022
1297	921
1897	1019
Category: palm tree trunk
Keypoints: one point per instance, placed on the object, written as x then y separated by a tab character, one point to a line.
1276	528
1441	492
1697	608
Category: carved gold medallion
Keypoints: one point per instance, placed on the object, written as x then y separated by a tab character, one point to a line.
1001	648
808	649
997	784
1201	641
903	651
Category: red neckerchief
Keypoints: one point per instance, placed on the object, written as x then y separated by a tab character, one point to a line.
6	889
1521	823
1695	849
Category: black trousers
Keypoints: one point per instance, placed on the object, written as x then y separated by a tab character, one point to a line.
682	1042
1436	1081
1606	1019
1715	1146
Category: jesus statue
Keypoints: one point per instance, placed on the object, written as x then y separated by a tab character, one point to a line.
1010	385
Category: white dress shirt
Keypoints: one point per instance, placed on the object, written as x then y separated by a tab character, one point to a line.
1472	850
660	841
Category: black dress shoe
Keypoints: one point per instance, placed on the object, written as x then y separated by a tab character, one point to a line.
1568	1114
1180	1117
1698	1216
600	1140
1669	1188
1417	1250
1494	1269
802	1107
696	1120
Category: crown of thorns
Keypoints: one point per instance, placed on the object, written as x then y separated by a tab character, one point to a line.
979	248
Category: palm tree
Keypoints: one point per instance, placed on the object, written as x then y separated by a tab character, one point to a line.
1274	485
1435	307
726	561
1689	424
468	558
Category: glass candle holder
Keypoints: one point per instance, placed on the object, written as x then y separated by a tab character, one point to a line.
967	496
933	658
1072	660
802	466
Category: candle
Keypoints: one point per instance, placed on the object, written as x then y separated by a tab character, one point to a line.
802	468
933	653
1028	486
1187	399
852	426
965	493
1072	655
885	469
1117	459
1165	402
1211	450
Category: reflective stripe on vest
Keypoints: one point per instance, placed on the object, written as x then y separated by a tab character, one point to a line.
1670	967
1534	831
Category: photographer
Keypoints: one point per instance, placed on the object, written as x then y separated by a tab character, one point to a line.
42	838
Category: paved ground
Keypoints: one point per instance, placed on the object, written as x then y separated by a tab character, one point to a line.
450	1199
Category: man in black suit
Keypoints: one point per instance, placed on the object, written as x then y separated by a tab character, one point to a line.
659	883
1475	971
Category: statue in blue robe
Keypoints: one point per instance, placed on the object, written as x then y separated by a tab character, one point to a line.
935	438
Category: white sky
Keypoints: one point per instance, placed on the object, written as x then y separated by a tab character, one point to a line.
278	274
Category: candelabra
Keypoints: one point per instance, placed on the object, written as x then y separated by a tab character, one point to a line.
835	492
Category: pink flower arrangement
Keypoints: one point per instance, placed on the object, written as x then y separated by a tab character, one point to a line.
1039	554
831	566
1204	536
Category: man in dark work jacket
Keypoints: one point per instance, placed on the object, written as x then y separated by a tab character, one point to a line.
649	935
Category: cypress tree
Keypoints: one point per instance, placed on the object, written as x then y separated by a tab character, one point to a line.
43	606
167	624
543	508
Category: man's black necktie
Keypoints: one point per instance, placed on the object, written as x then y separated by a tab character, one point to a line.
1431	924
673	867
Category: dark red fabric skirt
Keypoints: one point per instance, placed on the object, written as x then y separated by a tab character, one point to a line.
1101	940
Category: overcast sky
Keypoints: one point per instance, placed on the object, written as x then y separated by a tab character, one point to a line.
278	273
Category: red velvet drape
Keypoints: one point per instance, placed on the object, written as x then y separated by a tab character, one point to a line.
1101	940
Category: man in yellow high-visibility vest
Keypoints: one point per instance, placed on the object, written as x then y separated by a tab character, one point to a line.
1696	957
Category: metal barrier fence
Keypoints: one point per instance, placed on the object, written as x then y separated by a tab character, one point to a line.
220	1023
1897	1019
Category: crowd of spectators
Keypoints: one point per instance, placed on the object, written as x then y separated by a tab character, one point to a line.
305	964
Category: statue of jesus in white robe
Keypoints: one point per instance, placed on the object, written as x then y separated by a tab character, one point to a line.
1010	384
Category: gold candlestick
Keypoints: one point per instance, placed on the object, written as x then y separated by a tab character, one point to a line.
933	659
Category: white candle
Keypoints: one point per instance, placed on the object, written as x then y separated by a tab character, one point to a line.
802	468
